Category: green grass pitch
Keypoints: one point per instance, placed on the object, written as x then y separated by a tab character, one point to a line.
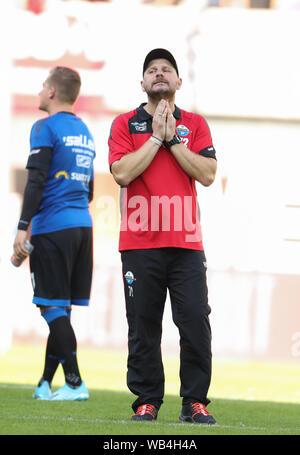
246	398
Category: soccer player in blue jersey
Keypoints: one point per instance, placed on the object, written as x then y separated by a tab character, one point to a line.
56	207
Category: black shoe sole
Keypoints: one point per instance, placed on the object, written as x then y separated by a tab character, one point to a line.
207	420
142	419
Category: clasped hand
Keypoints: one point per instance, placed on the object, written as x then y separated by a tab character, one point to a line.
164	123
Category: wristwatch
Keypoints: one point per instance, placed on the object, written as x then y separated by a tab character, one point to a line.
175	140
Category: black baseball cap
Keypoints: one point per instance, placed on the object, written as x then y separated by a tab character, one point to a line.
160	53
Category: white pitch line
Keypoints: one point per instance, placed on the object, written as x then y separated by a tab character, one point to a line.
16	386
126	422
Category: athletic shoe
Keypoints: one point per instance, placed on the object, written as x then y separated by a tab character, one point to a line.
196	413
67	393
145	412
42	391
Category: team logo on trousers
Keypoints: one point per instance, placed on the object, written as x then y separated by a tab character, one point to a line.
129	277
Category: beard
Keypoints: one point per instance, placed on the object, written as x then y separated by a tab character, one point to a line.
162	93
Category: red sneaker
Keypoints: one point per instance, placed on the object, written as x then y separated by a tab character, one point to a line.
145	412
196	413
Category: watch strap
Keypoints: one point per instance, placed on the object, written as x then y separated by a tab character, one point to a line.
175	140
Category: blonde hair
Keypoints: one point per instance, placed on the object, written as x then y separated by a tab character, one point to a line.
67	83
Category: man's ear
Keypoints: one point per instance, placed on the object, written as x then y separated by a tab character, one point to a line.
179	83
142	85
51	92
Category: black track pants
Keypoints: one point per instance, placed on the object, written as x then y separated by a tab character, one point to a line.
148	274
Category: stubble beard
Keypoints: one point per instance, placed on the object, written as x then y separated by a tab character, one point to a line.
163	94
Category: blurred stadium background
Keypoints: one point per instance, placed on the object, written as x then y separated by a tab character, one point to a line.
241	70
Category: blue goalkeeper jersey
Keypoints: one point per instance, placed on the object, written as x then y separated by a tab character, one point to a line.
63	146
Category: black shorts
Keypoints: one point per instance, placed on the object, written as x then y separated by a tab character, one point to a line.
61	266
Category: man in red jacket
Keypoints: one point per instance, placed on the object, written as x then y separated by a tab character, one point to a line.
156	153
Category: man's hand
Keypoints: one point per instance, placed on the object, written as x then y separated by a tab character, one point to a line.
170	124
164	123
20	251
159	120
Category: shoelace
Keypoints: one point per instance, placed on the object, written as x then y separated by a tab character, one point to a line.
146	409
199	408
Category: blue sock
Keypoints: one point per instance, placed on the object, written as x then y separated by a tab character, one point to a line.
53	313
